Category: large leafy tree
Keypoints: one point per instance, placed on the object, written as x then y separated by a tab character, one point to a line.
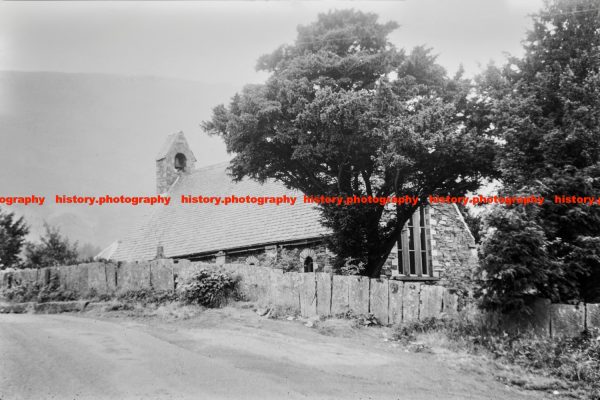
344	112
12	237
546	107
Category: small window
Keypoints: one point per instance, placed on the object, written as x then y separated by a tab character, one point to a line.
180	162
308	264
307	260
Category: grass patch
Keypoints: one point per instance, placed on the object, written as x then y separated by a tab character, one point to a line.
574	361
147	296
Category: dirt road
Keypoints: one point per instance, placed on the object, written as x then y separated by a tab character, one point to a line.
218	356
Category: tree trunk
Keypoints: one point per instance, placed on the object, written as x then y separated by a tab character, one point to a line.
378	255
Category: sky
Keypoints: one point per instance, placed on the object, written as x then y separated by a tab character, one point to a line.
111	126
219	42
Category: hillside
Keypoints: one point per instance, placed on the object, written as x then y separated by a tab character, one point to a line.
95	134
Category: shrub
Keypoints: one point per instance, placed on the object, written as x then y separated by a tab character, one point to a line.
54	292
208	288
21	292
517	265
352	266
575	359
287	260
34	291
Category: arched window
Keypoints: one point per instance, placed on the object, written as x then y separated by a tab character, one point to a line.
180	162
308	264
308	258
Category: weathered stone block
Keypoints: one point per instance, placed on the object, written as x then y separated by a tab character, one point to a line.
339	294
323	293
82	277
566	320
275	286
592	316
134	276
379	300
182	269
111	277
161	275
43	277
72	277
539	319
12	279
28	276
18	277
410	301
358	296
96	277
431	301
395	289
290	296
450	307
255	283
308	295
246	284
63	277
536	321
261	283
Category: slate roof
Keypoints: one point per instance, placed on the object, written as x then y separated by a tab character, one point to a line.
186	229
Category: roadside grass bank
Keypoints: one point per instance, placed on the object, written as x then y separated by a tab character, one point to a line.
558	365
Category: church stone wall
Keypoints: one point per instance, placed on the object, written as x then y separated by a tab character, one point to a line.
269	255
454	252
453	248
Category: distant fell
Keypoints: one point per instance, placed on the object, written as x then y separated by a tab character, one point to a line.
94	134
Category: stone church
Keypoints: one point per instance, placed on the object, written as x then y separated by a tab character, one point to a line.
435	242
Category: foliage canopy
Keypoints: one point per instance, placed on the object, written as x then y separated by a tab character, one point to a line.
546	107
12	237
54	249
343	113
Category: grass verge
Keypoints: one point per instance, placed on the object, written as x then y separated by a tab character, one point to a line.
568	364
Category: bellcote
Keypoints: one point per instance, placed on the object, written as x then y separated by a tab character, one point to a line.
174	158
